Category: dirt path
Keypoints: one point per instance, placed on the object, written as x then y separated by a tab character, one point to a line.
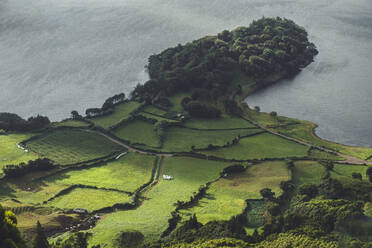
129	148
348	159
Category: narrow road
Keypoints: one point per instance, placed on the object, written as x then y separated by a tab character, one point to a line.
348	158
129	148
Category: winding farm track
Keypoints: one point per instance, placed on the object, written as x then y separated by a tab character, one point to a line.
129	148
348	159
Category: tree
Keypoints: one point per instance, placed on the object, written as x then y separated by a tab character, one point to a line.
75	115
369	173
310	190
40	240
257	108
267	193
357	175
273	114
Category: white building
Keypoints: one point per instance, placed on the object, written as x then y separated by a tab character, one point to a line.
167	177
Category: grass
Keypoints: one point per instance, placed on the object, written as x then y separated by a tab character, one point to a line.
154	110
138	131
305	131
90	199
182	139
224	122
176	102
308	172
72	146
71	123
226	197
318	154
121	112
152	217
259	147
157	118
343	172
127	174
10	153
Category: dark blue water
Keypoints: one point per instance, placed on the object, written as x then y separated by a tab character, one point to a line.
60	55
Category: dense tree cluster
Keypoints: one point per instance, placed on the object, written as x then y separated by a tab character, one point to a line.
10	237
23	168
12	122
266	46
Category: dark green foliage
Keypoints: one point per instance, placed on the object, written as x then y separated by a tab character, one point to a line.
10	237
332	188
357	175
267	193
12	122
369	173
130	239
236	168
310	190
268	45
32	165
197	109
76	240
40	240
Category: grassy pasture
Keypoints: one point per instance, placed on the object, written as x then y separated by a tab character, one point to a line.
71	123
127	174
72	146
10	153
176	101
224	122
152	217
317	154
157	118
154	110
122	111
226	197
343	172
90	199
138	131
182	139
259	147
308	172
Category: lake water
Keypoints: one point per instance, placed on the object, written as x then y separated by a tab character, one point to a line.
63	55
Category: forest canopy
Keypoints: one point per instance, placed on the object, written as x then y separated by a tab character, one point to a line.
266	46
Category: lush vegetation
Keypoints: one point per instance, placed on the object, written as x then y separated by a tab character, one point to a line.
185	163
68	146
9	234
120	112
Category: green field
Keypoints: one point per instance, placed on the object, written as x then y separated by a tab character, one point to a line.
182	139
138	131
259	147
343	172
10	153
72	146
176	102
89	199
308	172
152	217
71	123
225	122
318	154
157	118
127	174
226	197
154	110
122	112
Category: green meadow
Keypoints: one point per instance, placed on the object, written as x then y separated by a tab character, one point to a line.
152	217
226	197
308	172
122	111
138	131
72	146
259	147
10	153
183	139
225	122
